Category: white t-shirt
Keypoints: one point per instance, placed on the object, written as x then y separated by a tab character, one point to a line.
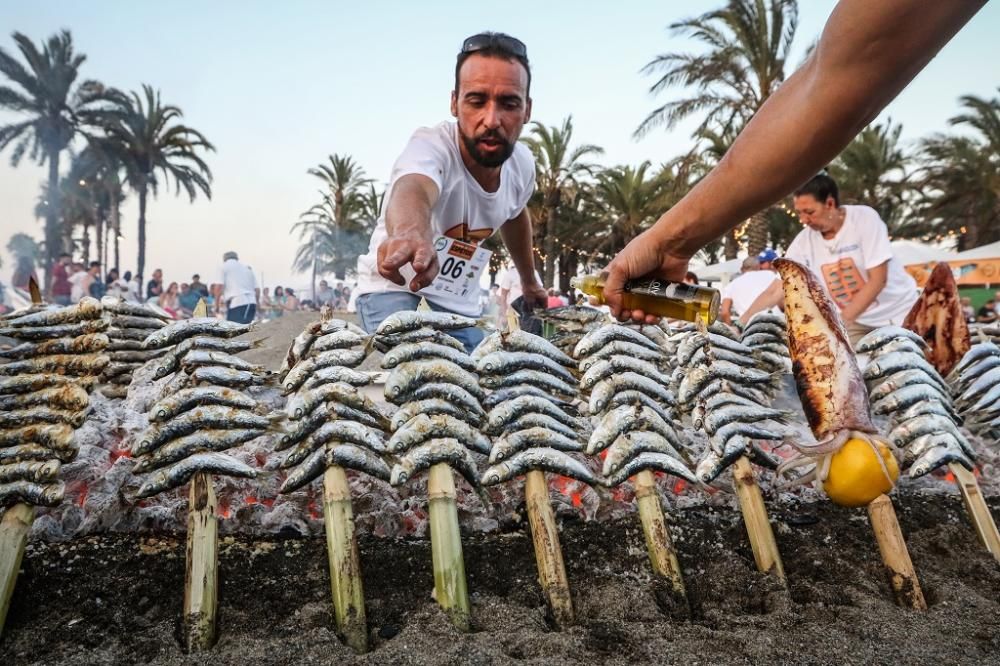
511	281
746	287
463	210
238	284
842	264
79	285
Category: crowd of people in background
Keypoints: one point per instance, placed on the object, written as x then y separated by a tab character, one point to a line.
71	280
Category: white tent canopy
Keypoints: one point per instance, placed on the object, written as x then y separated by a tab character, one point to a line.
911	252
722	272
991	251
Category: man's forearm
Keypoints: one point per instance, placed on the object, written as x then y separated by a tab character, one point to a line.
868	52
408	213
725	312
517	236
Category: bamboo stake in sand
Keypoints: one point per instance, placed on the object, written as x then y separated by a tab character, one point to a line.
903	578
548	552
345	564
545	534
662	555
975	506
446	547
14	530
202	579
765	548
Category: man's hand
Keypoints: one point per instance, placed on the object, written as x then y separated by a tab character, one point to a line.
642	257
534	296
396	252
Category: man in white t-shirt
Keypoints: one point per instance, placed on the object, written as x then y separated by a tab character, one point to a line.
847	247
457	183
512	296
739	295
237	287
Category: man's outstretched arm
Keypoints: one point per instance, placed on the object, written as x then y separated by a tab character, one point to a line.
868	52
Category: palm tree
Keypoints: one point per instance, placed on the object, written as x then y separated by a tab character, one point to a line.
960	182
151	144
23	245
872	170
331	231
557	169
52	111
631	199
344	179
329	246
747	45
78	210
98	169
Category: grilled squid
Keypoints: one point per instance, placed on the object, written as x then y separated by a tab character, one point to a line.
829	382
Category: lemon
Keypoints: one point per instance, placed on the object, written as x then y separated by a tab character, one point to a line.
856	477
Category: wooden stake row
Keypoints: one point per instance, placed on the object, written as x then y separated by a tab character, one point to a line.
975	506
14	528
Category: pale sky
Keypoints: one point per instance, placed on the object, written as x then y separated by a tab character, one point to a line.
279	86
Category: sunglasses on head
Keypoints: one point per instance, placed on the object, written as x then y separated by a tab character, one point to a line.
487	40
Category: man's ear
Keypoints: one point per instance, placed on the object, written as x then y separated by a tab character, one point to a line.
454	103
831	203
527	111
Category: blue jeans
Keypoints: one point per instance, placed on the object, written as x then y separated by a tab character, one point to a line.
373	309
242	314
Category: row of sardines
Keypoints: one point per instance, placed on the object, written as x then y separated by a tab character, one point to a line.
599	402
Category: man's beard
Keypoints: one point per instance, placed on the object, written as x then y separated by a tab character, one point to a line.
489	161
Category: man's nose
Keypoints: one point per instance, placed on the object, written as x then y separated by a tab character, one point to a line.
491	116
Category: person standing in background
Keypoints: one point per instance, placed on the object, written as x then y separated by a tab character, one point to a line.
96	286
988	313
967	310
278	302
847	248
766	259
198	286
155	286
112	284
266	307
325	295
291	303
62	290
739	295
512	296
169	301
237	286
188	299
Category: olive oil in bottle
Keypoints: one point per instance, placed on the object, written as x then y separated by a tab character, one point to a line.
662	298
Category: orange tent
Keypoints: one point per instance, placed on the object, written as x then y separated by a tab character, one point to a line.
967	272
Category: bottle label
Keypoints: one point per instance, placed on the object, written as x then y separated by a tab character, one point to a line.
678	291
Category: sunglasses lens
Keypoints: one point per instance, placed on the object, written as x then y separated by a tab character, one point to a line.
486	40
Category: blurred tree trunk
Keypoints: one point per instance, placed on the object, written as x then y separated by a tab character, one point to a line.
569	262
731	246
85	241
757	234
116	229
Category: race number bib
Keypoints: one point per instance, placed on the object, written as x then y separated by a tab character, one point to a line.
460	265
